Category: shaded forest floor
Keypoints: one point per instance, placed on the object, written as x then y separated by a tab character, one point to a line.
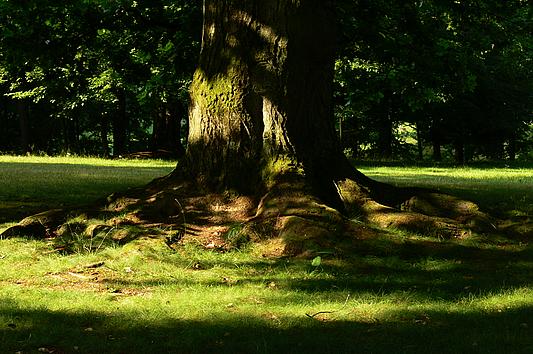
410	292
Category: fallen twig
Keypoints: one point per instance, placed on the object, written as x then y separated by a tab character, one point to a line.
322	312
318	313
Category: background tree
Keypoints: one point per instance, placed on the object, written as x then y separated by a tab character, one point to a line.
96	70
437	60
104	77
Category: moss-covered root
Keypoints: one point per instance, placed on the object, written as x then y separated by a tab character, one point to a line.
427	213
38	226
290	214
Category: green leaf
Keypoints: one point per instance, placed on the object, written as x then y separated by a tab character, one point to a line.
316	261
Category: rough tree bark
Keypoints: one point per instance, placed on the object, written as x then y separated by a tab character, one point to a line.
263	91
263	94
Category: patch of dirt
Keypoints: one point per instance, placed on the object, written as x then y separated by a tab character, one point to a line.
79	281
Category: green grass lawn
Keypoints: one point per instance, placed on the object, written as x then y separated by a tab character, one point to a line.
398	293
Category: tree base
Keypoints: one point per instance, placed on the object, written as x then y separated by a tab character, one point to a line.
285	216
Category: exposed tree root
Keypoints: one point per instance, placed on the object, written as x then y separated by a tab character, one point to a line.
286	211
420	211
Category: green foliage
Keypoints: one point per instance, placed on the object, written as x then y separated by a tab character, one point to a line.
317	261
237	237
458	70
77	58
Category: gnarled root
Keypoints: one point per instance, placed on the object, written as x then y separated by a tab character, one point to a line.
425	212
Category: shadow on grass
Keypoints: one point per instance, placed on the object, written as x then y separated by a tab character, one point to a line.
71	184
13	212
426	271
500	197
416	331
435	283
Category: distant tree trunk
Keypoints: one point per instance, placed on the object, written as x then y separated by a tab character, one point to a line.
120	125
352	138
384	127
177	110
437	154
419	142
159	128
436	140
23	111
385	137
459	151
70	136
104	134
511	150
167	128
76	132
354	145
4	138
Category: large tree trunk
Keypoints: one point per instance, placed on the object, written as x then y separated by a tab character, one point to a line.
263	97
265	94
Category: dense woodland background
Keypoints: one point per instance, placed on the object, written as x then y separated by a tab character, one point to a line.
435	79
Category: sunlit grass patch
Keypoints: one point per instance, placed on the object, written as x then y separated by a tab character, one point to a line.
31	184
72	180
195	300
92	161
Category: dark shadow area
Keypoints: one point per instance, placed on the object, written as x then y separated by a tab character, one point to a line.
427	271
14	212
417	331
